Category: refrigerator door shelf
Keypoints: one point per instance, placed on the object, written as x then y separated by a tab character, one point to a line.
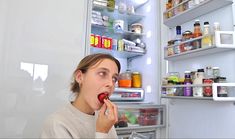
196	11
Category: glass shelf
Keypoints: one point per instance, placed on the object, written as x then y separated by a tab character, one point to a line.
117	54
198	10
110	30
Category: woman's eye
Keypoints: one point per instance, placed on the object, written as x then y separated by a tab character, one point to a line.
115	79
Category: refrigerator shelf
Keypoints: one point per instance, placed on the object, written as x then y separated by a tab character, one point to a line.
198	52
196	11
131	18
215	86
117	54
127	94
109	31
224	41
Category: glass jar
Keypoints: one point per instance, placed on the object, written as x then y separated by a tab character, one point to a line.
125	79
222	90
216	72
136	80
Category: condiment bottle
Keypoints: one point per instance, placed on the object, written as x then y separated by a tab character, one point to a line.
197	33
216	27
178	40
198	90
206	40
187	81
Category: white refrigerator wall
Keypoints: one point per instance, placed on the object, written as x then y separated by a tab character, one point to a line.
41	43
203	118
149	64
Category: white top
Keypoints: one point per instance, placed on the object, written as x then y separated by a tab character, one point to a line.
69	122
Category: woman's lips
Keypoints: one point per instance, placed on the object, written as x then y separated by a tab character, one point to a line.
103	96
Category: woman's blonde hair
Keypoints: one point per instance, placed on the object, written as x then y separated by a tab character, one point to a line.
88	62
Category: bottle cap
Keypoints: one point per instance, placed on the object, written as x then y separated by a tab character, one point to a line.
206	23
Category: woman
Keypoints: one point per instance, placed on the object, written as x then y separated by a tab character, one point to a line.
96	74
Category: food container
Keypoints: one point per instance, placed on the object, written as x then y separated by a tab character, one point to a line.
118	25
137	28
136	80
148	116
125	79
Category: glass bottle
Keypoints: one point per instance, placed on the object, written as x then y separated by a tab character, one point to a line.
197	33
178	40
187	81
206	40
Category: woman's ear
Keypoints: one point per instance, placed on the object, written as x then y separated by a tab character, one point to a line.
79	76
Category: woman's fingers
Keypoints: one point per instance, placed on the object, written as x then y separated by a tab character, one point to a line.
112	110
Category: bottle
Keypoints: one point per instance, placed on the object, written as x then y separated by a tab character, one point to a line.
187	81
178	40
216	27
206	40
198	90
197	33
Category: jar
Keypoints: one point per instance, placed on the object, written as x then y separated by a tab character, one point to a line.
207	90
136	80
125	79
122	7
216	72
222	91
187	35
130	9
170	49
137	28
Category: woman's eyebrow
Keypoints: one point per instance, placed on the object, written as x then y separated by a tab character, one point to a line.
106	69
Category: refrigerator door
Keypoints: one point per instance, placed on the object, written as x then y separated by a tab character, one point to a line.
40	45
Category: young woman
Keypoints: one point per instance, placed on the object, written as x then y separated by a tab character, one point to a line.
96	74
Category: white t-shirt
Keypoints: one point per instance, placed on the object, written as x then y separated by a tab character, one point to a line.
69	123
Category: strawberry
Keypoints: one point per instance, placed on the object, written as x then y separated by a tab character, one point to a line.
103	96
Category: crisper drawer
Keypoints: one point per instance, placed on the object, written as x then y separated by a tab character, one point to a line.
139	117
127	94
139	135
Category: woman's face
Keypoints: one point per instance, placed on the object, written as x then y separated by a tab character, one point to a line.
100	78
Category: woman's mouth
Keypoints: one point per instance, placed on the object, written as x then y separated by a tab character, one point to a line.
103	96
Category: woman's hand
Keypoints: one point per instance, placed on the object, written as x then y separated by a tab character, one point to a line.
108	116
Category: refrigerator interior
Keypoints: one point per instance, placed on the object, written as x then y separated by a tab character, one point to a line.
202	118
41	43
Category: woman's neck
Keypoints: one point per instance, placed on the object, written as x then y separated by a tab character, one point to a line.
81	105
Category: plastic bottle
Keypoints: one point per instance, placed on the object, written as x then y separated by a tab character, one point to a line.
187	81
216	27
197	33
206	40
198	90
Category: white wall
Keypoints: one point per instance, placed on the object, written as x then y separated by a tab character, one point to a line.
37	35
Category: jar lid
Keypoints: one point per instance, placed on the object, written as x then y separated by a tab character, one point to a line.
188	32
215	67
200	70
136	24
135	72
220	78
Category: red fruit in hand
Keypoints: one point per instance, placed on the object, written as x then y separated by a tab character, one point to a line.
103	96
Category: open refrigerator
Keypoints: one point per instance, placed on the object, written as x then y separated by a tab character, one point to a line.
137	32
